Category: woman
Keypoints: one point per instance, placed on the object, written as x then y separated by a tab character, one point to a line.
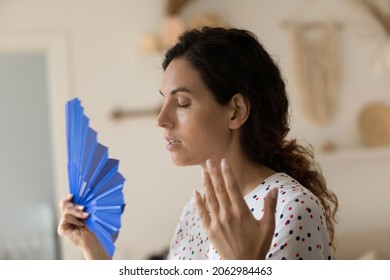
226	109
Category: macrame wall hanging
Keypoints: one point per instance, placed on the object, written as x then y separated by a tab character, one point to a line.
317	67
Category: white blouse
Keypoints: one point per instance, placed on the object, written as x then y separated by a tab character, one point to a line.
300	229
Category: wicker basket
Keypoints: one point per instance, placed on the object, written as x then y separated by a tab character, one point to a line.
374	124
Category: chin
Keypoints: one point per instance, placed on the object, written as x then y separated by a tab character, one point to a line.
183	162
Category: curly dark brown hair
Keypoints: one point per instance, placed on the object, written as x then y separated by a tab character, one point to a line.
232	61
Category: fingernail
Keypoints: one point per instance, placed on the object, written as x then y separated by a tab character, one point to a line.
224	163
85	214
209	164
274	193
194	192
69	195
79	207
203	174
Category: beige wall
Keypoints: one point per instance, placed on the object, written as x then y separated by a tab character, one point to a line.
106	69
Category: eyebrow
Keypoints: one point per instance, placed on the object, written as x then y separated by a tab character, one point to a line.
176	90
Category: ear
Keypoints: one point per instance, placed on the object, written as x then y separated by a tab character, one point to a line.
240	109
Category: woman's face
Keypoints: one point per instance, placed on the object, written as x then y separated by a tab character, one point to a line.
196	127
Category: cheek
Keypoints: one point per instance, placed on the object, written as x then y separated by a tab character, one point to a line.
205	130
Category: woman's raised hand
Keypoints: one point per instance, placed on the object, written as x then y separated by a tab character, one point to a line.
229	224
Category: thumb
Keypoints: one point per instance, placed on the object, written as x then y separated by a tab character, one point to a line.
267	223
270	207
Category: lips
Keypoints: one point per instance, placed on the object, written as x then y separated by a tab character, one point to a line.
172	142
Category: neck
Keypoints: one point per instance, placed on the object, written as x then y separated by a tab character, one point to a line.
248	174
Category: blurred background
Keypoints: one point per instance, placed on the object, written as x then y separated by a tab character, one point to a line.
334	54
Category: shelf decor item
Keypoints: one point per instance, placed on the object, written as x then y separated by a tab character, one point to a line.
93	177
374	124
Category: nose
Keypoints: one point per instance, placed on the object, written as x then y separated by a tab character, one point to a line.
164	119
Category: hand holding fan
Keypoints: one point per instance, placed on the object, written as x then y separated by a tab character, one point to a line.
94	179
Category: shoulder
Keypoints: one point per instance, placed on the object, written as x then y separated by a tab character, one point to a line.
295	197
291	192
300	231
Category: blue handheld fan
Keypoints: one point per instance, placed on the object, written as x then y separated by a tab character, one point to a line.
94	179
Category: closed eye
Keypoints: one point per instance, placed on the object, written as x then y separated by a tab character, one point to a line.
183	102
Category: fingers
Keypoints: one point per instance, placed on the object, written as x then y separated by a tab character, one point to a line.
64	201
69	208
223	185
76	211
72	214
72	220
233	191
210	198
216	199
201	209
216	184
223	197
